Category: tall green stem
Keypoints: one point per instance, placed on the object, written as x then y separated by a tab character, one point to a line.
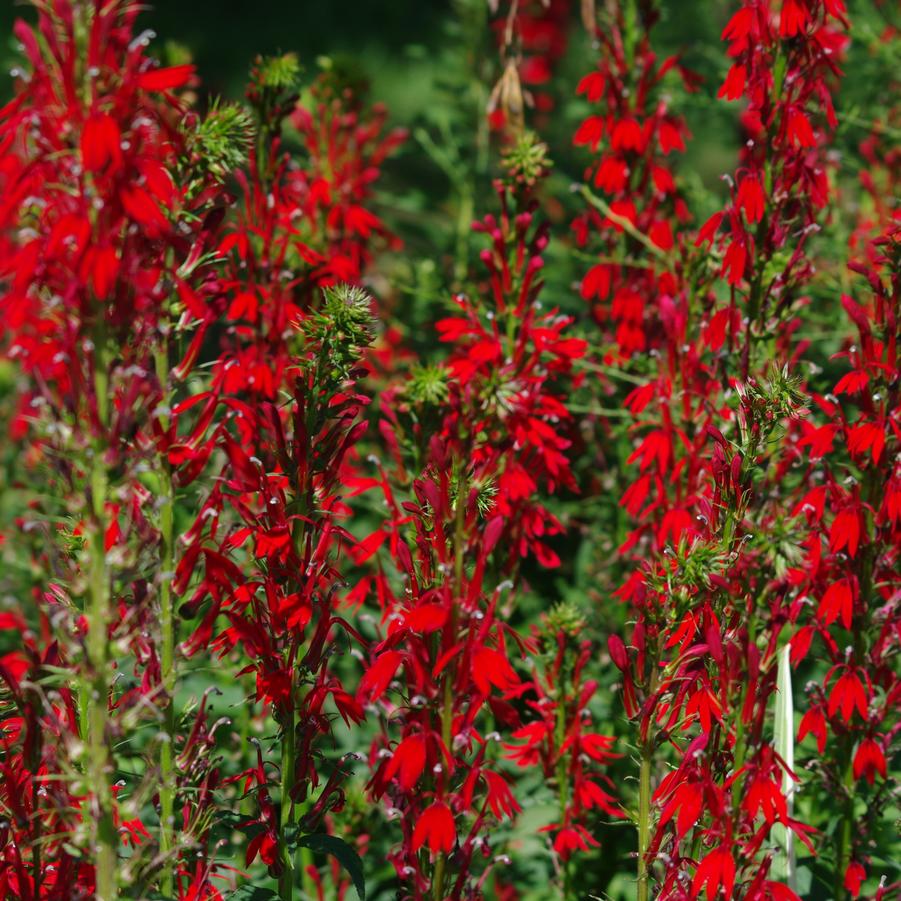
644	800
288	813
644	820
846	823
286	879
562	780
100	764
167	637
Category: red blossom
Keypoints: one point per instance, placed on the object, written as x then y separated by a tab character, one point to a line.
435	829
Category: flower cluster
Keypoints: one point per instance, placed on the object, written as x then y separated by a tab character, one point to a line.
720	426
474	564
473	442
106	229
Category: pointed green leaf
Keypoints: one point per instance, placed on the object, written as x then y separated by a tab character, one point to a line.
253	893
342	852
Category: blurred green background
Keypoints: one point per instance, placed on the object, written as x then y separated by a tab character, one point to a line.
409	49
402	46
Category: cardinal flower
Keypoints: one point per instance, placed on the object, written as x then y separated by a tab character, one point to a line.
716	871
435	829
869	760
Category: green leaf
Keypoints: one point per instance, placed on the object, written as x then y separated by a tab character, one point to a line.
342	852
804	881
253	893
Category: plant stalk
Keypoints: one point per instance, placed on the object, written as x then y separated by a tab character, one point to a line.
286	879
167	639
644	802
100	763
562	783
644	820
844	836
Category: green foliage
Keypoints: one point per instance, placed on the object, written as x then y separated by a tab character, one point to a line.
526	161
253	893
323	843
339	330
427	385
564	618
278	73
220	141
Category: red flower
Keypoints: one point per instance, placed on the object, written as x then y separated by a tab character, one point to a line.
837	601
133	832
854	877
751	198
592	85
688	800
869	760
814	723
734	262
845	532
798	129
596	282
626	135
765	796
716	871
435	828
738	29
848	694
100	143
573	838
166	79
708	230
734	85
590	132
867	436
376	679
491	667
793	18
591	795
661	234
670	137
408	761
500	797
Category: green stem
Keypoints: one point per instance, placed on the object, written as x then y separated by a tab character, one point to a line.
167	640
644	799
100	764
844	837
562	783
644	820
286	879
438	878
298	533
